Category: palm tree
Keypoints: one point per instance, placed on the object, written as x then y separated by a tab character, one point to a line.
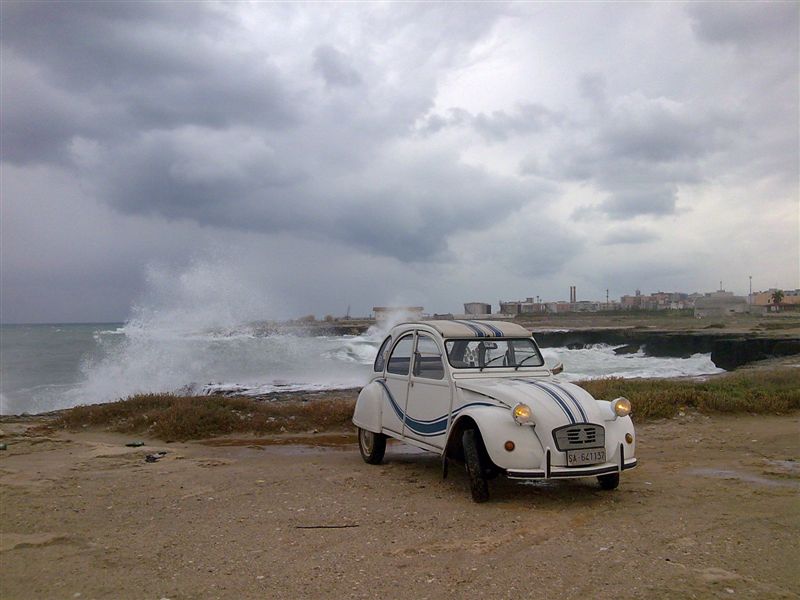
777	298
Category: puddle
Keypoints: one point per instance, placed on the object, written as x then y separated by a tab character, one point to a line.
746	477
303	440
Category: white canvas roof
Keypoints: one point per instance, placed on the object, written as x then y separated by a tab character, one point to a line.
465	329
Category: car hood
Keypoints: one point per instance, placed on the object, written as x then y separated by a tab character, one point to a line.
553	402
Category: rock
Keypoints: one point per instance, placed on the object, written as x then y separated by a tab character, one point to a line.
627	349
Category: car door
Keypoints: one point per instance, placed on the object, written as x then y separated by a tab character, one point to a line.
429	395
396	383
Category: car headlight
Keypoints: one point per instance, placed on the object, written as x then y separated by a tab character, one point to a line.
522	413
622	407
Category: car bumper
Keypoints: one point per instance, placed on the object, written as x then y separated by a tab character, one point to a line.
572	472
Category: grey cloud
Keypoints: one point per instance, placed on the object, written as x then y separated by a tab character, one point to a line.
305	138
637	150
593	87
658	131
163	114
183	174
335	67
105	70
414	219
527	243
496	126
39	120
97	44
404	209
633	200
629	236
745	23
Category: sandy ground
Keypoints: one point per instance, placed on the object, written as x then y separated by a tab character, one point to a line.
712	512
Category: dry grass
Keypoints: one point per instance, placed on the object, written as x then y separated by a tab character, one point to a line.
169	417
760	392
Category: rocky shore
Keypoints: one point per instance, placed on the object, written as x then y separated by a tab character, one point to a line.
728	350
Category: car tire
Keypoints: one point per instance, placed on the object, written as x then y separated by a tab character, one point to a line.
609	482
478	485
372	446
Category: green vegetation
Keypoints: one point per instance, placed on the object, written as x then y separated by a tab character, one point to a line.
777	297
169	417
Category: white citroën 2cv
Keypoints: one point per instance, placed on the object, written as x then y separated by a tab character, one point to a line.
479	393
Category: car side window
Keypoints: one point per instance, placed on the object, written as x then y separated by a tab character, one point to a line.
380	360
400	360
428	360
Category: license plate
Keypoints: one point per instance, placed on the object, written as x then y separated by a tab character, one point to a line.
579	458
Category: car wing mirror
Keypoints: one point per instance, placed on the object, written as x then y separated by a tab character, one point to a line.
557	369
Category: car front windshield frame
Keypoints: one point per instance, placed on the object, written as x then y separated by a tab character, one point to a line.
493	353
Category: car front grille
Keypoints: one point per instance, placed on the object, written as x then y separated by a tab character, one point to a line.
583	435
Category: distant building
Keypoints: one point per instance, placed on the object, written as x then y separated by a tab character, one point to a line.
763	300
388	313
719	304
477	308
656	301
521	307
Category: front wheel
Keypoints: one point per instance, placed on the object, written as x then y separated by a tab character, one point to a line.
609	482
478	485
372	446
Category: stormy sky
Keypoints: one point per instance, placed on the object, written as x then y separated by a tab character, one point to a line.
274	160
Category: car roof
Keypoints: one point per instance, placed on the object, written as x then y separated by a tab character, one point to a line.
463	328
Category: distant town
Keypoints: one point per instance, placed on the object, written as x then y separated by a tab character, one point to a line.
710	304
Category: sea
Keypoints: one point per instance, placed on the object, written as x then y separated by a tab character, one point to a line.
55	366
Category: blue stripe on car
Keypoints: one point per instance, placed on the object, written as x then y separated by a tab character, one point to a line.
430	428
493	329
571	397
554	396
475	329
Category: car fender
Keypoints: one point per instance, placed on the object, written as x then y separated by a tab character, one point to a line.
616	429
497	427
368	413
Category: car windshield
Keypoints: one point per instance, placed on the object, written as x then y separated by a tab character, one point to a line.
494	353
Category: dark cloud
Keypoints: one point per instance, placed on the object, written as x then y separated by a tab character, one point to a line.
335	67
498	125
372	147
636	150
648	199
185	124
629	236
110	70
745	23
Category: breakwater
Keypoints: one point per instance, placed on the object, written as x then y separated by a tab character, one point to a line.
728	350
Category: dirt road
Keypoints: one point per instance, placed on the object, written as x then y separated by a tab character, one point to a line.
712	512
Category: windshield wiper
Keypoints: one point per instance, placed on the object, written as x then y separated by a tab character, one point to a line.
522	362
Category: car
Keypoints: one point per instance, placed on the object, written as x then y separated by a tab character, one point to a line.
478	392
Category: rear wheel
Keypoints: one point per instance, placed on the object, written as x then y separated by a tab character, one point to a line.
372	446
472	460
609	482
